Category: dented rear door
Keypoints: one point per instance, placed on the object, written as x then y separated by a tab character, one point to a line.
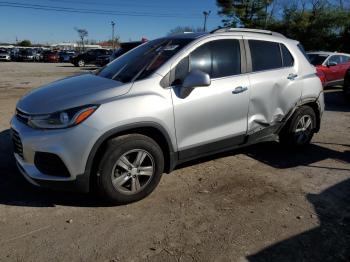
274	88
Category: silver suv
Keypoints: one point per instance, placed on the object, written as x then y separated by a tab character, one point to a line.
168	101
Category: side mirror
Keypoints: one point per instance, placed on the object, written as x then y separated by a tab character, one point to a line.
196	78
329	64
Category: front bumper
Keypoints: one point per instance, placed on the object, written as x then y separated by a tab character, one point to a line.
71	145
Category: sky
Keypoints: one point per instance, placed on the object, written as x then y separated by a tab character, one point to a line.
134	18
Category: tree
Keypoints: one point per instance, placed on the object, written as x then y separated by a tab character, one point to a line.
83	33
182	29
25	43
246	13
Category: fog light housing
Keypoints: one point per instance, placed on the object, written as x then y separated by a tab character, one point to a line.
50	164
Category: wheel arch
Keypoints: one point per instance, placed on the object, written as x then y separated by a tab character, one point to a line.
150	129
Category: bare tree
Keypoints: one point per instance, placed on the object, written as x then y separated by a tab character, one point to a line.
83	33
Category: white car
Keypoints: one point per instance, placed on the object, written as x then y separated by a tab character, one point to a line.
4	56
163	103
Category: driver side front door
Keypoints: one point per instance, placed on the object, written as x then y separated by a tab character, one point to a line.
212	118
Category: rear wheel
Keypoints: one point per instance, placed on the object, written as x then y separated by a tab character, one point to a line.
300	129
130	169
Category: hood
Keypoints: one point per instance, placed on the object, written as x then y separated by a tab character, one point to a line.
71	92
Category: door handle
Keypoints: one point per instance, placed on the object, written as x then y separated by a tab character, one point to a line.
292	76
240	89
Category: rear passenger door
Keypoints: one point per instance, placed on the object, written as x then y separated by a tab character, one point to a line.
214	117
274	88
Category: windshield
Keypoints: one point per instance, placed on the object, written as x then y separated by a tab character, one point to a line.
142	61
317	59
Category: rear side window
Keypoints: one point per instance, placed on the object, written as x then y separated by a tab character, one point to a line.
345	59
265	55
286	56
220	58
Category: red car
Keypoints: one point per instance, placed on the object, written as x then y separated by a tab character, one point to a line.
51	57
331	67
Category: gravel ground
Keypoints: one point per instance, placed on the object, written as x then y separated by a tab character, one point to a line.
261	203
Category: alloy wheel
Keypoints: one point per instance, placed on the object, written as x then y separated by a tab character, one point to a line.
304	129
133	171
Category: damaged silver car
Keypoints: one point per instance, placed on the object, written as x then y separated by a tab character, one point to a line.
163	103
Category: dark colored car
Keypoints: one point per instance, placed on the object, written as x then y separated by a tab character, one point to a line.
51	57
124	47
25	55
89	57
66	56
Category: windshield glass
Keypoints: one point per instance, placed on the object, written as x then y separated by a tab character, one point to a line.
317	59
142	61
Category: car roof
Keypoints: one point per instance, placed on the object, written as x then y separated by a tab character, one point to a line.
326	53
187	35
247	32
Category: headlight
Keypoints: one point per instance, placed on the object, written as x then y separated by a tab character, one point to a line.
62	119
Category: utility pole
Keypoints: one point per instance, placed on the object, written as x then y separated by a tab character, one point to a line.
113	25
206	14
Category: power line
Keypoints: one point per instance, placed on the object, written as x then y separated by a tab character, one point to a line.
148	5
92	11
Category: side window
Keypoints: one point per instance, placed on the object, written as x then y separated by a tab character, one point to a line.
265	55
201	59
226	58
345	59
335	59
286	56
218	58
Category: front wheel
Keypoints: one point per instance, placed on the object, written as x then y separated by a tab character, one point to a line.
300	129
130	169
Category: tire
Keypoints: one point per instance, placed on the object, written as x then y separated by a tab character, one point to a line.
120	179
81	63
294	133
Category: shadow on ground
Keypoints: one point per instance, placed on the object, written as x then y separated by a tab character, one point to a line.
328	242
335	100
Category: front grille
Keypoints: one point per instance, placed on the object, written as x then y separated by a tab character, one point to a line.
21	116
17	143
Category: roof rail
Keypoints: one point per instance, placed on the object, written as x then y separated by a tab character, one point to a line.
245	30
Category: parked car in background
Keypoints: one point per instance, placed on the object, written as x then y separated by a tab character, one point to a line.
25	55
331	67
164	103
66	56
124	47
89	57
51	56
5	55
38	55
